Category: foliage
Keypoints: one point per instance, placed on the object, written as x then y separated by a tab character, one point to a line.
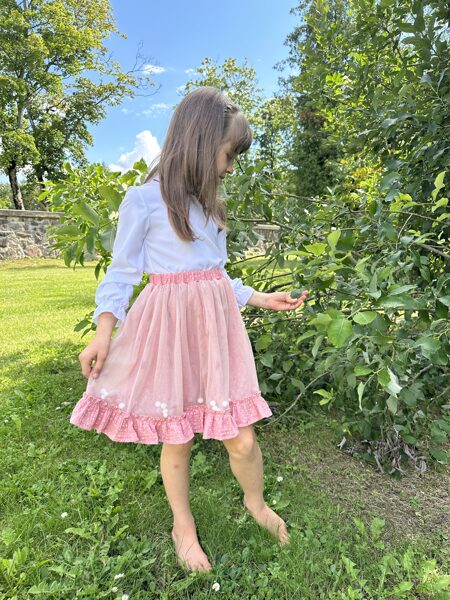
48	97
89	200
373	248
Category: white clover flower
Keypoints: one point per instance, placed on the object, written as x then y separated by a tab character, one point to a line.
125	596
118	576
279	478
215	586
114	589
274	501
64	515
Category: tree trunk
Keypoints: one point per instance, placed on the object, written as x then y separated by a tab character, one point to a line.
16	193
40	170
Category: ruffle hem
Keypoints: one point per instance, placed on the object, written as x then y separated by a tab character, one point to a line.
92	412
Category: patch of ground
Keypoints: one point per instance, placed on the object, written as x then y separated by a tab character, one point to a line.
415	505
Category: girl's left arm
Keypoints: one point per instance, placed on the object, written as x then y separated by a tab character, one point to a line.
276	300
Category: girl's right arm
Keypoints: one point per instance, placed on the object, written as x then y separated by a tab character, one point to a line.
125	270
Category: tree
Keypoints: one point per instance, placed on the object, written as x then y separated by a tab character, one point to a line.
55	79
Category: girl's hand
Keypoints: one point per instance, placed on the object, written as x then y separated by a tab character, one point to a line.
96	350
283	300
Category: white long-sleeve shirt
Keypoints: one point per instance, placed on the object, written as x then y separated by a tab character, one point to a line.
146	242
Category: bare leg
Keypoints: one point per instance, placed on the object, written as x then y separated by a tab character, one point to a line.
175	473
247	466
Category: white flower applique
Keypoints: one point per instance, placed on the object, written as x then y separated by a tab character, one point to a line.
163	407
104	393
225	404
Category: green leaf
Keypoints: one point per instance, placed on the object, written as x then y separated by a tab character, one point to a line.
394	290
376	526
140	166
318	248
326	396
316	346
361	387
339	330
445	300
259	166
439	455
439	181
392	404
428	345
107	237
333	238
439	203
266	359
362	370
113	197
400	301
363	318
389	380
87	212
388	180
70	229
263	342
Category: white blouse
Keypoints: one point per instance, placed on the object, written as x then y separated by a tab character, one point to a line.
146	242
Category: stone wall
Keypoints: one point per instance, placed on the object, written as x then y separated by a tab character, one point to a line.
23	233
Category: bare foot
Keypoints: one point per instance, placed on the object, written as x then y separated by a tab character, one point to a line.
188	550
269	519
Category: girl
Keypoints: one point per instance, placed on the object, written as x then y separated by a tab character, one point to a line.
181	361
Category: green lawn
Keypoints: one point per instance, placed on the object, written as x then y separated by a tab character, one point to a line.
78	510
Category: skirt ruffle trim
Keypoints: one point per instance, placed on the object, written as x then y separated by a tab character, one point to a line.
92	412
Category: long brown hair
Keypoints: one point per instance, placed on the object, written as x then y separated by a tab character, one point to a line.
186	166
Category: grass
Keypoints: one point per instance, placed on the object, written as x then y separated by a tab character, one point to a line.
82	515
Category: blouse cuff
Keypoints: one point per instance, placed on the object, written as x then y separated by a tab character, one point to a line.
118	311
241	292
112	296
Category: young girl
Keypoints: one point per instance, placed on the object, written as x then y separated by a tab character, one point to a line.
181	361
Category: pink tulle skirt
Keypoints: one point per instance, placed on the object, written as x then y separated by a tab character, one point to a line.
181	363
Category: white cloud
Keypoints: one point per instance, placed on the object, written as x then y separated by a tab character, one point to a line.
181	88
156	108
154	69
189	71
145	146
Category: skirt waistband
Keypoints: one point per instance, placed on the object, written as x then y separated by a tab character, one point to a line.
186	276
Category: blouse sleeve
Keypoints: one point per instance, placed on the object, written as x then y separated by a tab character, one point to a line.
242	292
127	264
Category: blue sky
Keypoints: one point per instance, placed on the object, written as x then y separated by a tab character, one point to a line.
176	36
